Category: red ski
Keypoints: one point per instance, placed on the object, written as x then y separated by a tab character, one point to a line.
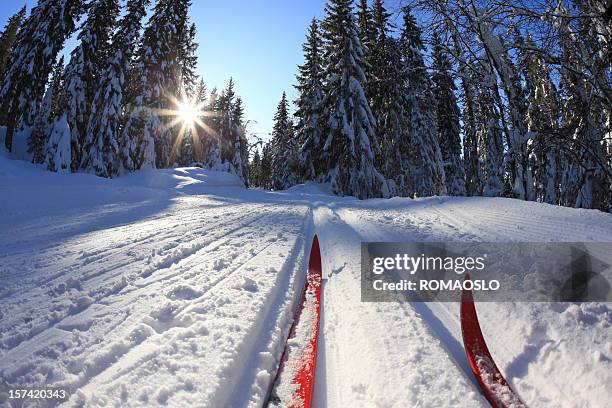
295	383
494	386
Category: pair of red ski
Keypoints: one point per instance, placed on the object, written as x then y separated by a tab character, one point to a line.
493	384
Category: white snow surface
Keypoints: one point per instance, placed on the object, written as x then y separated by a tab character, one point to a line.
177	288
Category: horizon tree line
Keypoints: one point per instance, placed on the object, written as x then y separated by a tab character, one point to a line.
480	98
490	99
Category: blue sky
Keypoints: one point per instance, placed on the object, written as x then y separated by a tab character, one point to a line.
258	43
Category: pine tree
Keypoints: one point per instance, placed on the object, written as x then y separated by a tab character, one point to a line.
212	145
48	112
283	148
102	153
201	132
425	159
40	39
37	142
388	99
367	36
226	146
310	126
448	126
226	124
265	174
351	143
158	64
58	155
87	62
188	58
367	33
240	160
181	141
255	171
8	38
186	155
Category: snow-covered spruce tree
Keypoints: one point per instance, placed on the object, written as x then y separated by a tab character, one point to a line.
186	151
50	108
351	143
40	39
365	23
226	122
388	97
448	113
225	143
102	146
255	170
283	148
240	160
426	165
265	173
8	38
83	73
310	126
188	60
367	36
37	142
200	133
181	137
58	155
148	140
211	138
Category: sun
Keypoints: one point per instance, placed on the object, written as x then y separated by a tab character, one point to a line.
188	113
187	117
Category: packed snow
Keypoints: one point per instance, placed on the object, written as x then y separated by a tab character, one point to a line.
177	288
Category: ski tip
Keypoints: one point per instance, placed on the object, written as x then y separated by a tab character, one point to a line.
494	386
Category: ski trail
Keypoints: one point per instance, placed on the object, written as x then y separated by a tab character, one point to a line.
205	300
362	340
103	289
529	350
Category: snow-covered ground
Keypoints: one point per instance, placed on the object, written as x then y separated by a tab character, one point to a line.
176	288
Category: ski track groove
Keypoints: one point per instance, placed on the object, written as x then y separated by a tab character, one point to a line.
111	249
411	310
412	322
207	296
255	231
449	223
152	276
105	296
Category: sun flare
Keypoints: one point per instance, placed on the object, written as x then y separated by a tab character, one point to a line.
188	113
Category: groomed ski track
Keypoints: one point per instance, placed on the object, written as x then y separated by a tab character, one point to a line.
172	290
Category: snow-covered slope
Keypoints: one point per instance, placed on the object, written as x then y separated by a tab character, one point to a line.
176	288
554	354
